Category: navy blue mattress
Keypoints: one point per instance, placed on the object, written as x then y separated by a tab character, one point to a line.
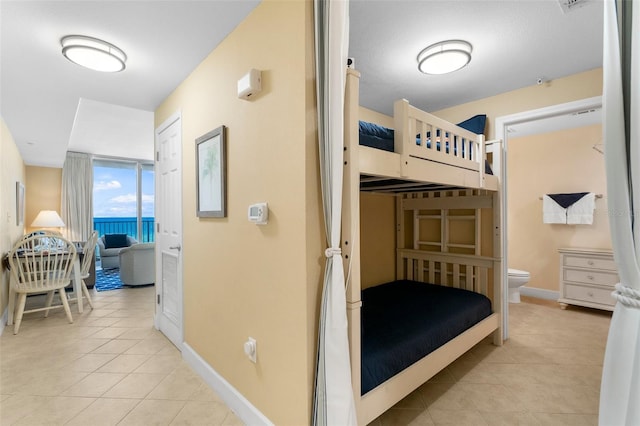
403	321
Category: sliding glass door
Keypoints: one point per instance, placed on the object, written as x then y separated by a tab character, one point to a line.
123	194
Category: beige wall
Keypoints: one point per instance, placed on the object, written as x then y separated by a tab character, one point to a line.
245	280
372	116
557	162
43	191
377	239
567	89
12	170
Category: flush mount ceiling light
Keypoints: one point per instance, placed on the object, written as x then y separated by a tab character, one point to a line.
444	57
93	53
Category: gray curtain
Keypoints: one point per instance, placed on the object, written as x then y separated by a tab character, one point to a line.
77	196
333	398
620	390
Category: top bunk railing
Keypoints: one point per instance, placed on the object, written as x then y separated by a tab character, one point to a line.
421	135
427	150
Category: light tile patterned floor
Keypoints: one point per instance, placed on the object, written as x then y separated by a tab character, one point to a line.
111	367
547	373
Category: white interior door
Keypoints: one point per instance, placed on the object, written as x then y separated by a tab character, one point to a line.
169	229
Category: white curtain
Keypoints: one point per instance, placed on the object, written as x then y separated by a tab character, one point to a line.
333	398
77	196
620	391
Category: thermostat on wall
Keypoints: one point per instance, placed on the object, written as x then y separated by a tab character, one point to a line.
259	213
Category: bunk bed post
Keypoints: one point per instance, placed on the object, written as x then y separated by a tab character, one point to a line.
495	147
351	226
498	300
401	124
400	269
481	159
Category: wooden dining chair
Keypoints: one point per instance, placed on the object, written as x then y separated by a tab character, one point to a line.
88	251
41	268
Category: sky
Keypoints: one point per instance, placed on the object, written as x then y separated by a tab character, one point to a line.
114	192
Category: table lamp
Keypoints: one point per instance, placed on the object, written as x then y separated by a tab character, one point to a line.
48	219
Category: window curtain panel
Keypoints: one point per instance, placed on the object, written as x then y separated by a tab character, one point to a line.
333	397
77	196
620	389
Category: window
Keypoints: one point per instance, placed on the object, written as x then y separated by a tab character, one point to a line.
123	198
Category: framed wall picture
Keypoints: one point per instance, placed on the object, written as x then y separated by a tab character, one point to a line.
211	179
19	204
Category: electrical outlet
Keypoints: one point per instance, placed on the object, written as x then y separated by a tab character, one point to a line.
251	349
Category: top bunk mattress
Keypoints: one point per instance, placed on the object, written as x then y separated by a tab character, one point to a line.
403	321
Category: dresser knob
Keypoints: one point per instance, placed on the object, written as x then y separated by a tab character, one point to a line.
590	294
590	277
590	263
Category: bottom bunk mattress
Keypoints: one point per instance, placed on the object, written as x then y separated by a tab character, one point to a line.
403	321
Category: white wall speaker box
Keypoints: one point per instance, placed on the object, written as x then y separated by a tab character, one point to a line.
250	84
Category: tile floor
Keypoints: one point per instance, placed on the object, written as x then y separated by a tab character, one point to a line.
111	367
547	373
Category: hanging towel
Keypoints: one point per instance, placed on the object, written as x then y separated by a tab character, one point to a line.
565	200
552	212
581	212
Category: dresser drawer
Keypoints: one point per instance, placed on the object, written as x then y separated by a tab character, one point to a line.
589	294
591	277
590	262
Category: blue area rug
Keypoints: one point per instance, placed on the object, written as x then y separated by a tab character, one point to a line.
108	279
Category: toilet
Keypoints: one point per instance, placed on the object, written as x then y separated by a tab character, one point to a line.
517	278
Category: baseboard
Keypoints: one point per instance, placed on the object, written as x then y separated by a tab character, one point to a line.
539	293
245	411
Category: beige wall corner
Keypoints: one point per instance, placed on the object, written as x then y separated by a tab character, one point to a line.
12	170
44	191
377	239
240	279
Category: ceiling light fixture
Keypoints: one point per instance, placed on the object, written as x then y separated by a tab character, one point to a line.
444	57
93	53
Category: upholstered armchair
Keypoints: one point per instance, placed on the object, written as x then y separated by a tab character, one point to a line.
138	264
109	246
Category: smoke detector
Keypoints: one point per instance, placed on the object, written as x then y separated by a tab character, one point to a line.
570	5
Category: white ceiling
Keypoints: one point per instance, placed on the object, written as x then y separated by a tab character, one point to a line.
515	42
51	105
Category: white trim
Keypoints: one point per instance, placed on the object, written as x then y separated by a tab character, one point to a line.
539	293
166	123
501	133
240	406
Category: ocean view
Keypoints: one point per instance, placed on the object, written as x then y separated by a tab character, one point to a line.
125	225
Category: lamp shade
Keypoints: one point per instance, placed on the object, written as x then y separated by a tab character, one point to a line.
47	219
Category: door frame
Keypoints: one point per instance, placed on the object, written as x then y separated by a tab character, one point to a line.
501	132
176	116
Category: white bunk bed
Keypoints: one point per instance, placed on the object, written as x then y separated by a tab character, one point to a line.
424	179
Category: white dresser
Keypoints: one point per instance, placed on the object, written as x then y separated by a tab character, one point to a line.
587	278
